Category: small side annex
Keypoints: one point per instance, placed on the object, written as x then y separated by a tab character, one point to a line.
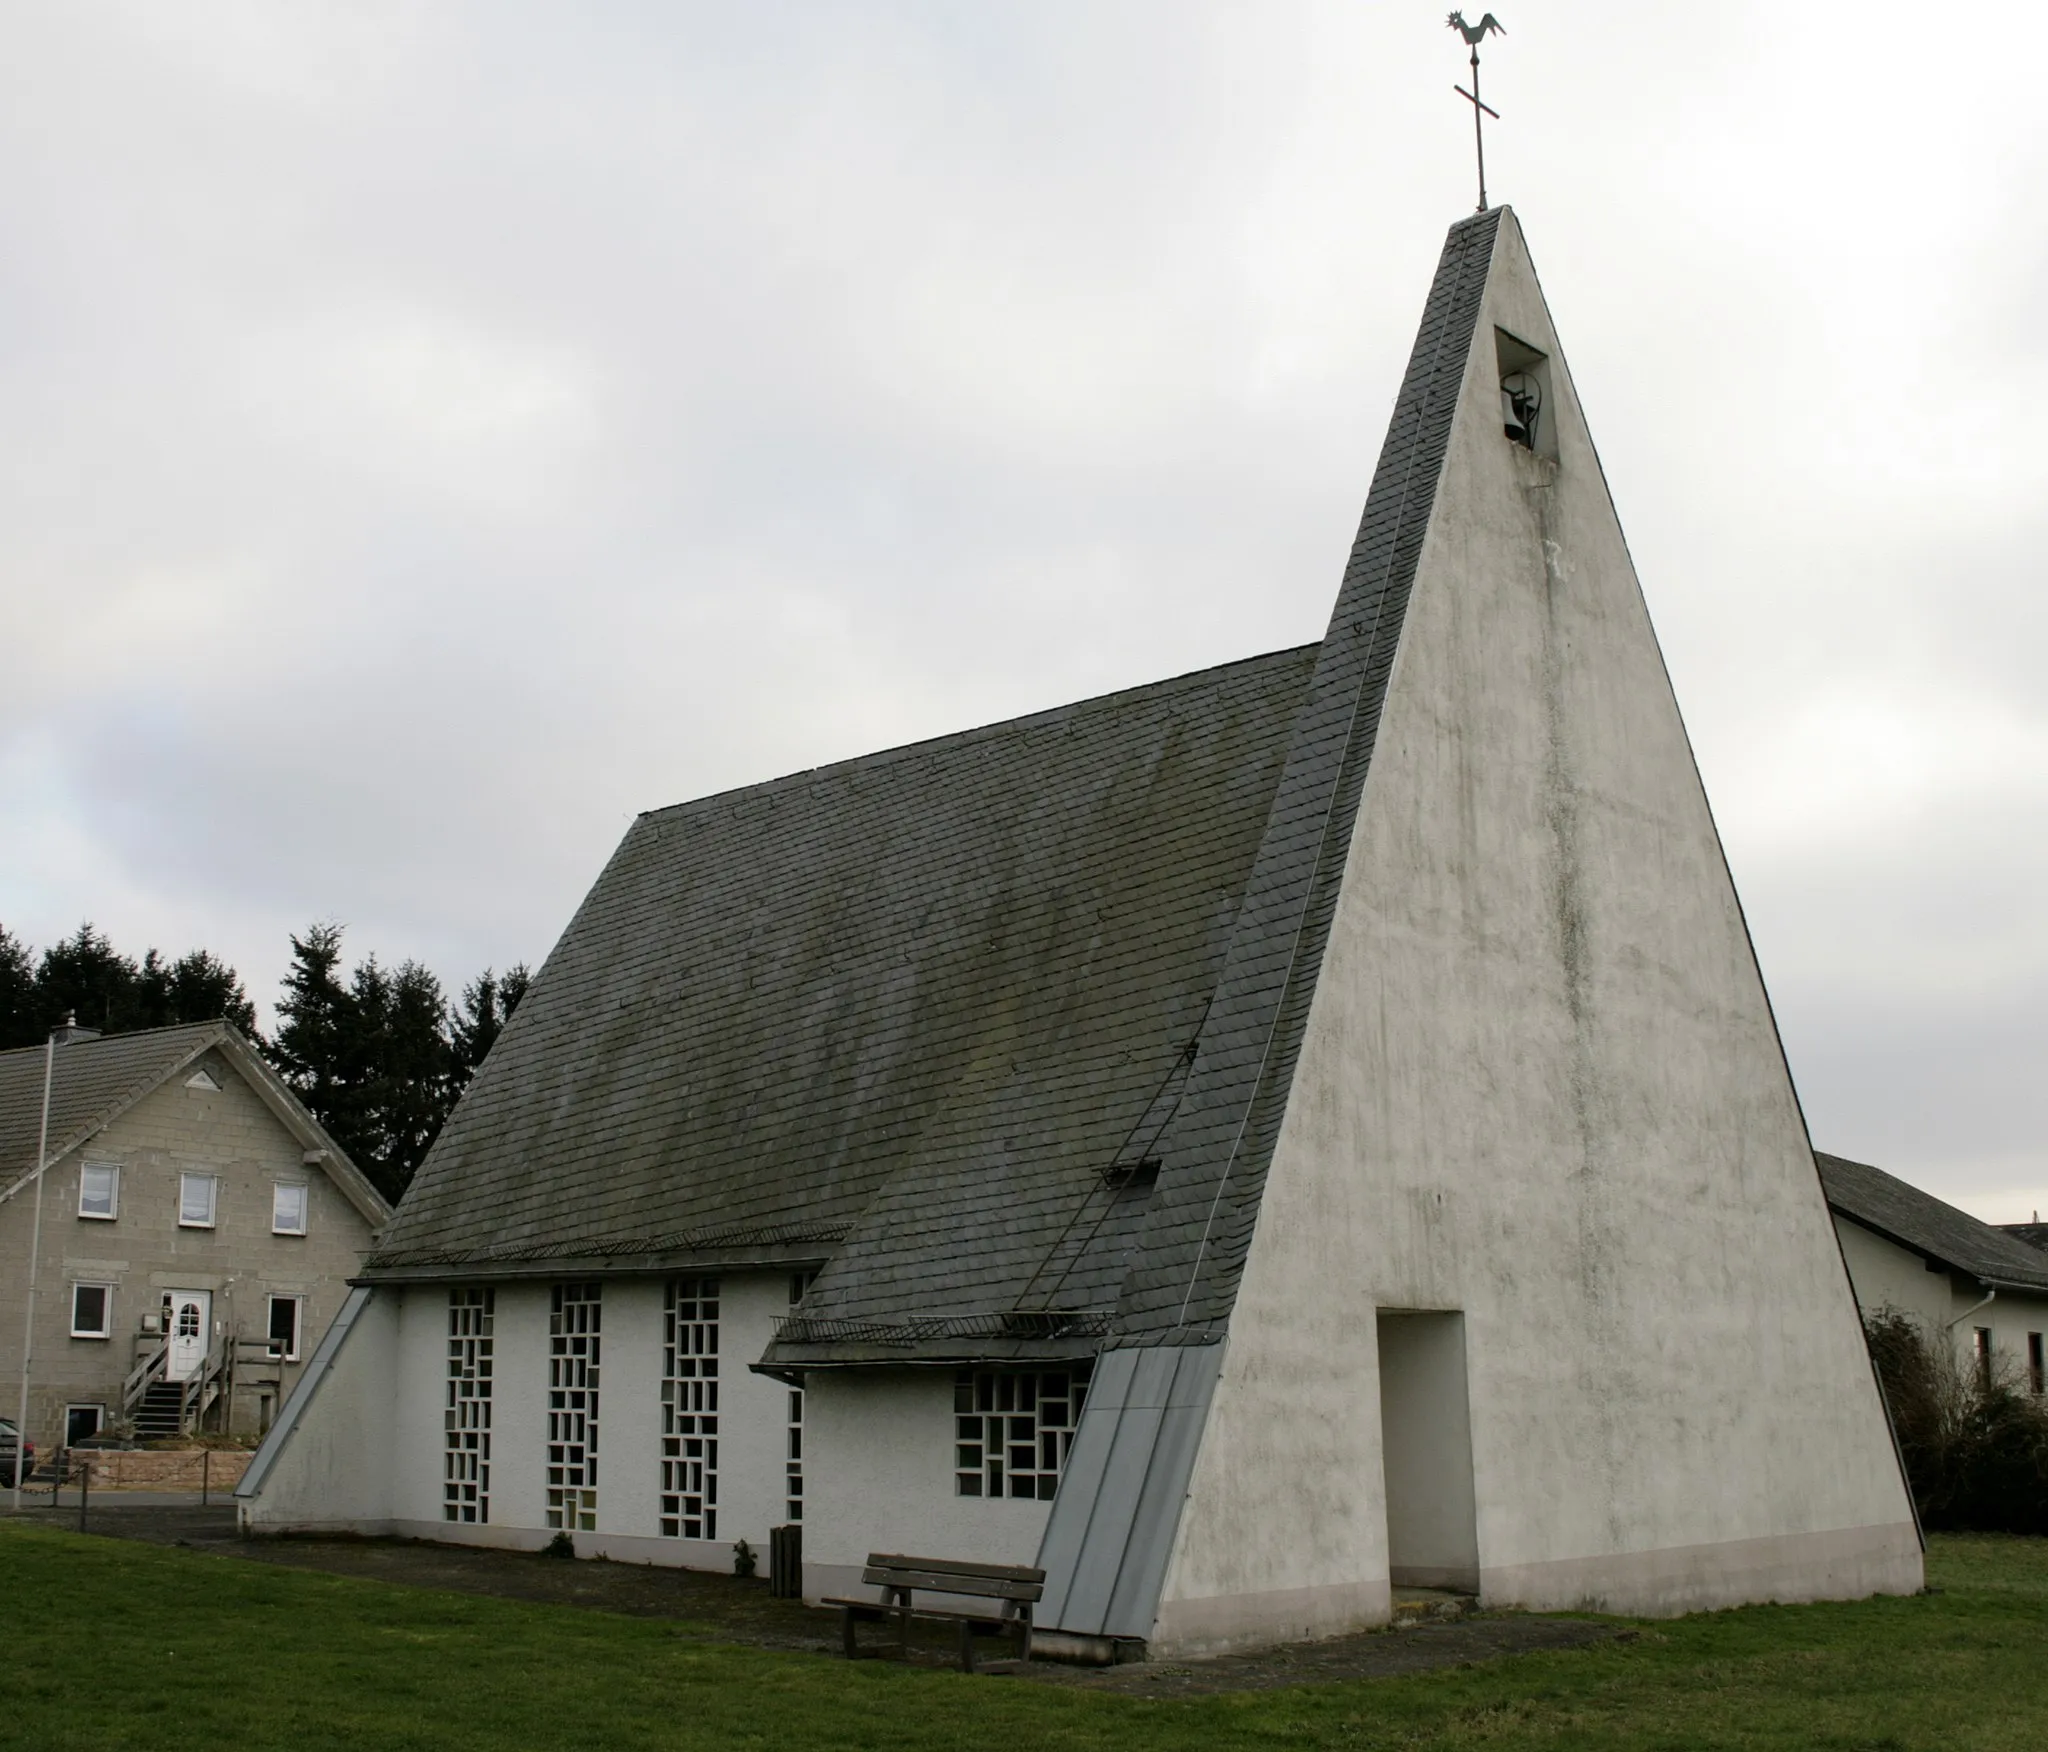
1242	1144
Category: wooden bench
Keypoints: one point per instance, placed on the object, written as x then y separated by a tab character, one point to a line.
1016	1587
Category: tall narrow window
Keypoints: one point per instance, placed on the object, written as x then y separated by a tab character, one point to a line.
1013	1429
1982	1347
466	1439
288	1208
575	1323
689	1411
793	1429
197	1196
2037	1365
99	1191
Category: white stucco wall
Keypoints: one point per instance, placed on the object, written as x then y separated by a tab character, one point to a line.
332	1470
1887	1275
378	1422
879	1477
1541	1085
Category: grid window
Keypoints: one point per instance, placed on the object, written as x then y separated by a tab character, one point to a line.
99	1191
288	1208
793	1426
92	1307
197	1196
284	1326
575	1336
466	1415
689	1410
1013	1429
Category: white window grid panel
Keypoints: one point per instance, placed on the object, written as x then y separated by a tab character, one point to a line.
575	1338
1013	1429
466	1456
689	1410
793	1462
793	1424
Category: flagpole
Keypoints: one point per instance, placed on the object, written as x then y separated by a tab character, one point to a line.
35	1251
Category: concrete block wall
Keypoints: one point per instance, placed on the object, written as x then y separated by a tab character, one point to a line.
143	1252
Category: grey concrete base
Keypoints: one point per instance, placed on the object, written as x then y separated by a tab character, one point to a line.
1848	1563
1221	1625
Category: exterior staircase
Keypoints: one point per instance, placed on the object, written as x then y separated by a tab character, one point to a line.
160	1414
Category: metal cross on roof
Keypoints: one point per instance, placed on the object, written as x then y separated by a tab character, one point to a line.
1474	35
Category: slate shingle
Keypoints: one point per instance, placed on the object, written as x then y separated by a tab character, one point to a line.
919	1000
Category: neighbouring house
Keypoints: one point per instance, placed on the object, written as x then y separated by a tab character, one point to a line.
1908	1251
1239	1144
198	1233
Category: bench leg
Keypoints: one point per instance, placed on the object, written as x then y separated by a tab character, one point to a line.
846	1635
966	1647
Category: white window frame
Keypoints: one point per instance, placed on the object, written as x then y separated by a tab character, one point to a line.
98	1409
113	1171
305	1193
106	1326
298	1345
212	1217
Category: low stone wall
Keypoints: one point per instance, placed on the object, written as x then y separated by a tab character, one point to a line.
165	1469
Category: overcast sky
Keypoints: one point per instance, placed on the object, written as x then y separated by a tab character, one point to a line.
430	435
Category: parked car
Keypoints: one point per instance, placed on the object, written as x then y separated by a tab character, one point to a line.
14	1453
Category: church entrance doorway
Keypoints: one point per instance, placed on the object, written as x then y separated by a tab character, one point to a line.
1426	1442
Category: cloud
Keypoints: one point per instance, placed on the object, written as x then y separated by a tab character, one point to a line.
434	435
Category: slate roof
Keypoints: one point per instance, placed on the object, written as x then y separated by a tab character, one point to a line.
2033	1234
93	1082
903	1012
1918	1220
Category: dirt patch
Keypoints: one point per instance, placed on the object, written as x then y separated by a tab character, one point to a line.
741	1610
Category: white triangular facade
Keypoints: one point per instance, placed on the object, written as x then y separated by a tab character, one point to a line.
1543	1300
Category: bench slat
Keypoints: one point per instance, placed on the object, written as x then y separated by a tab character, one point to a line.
1009	1572
876	1610
951	1582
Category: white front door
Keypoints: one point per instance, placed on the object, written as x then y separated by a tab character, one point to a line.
190	1325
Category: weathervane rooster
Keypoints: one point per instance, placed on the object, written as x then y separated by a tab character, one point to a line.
1474	35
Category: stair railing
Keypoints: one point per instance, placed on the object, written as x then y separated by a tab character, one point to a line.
142	1377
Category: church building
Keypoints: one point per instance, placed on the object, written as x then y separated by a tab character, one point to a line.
1240	1144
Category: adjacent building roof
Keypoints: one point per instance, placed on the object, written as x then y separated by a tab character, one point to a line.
2033	1234
93	1082
1936	1231
921	1012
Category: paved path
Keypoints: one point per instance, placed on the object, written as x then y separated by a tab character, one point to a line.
741	1611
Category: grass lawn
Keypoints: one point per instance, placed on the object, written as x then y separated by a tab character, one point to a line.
110	1644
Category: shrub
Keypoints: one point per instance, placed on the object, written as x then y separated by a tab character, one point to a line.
1975	1446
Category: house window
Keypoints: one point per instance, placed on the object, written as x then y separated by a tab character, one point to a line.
689	1411
92	1306
466	1417
575	1322
1981	1348
1013	1429
284	1326
288	1208
2037	1366
793	1429
99	1191
82	1423
197	1194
